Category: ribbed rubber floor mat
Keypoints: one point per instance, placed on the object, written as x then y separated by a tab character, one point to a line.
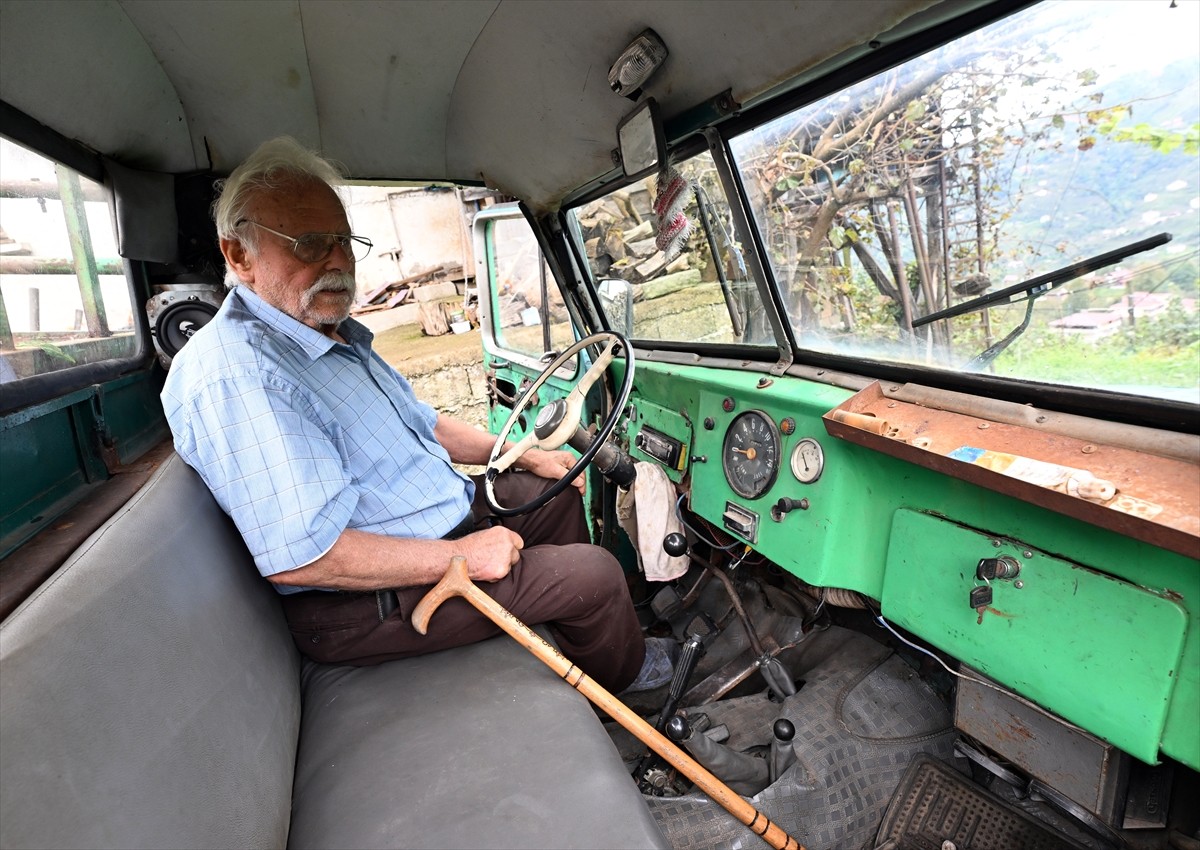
935	804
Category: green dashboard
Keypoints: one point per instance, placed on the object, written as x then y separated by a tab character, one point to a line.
1098	626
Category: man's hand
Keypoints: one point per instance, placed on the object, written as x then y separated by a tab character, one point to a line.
552	465
490	553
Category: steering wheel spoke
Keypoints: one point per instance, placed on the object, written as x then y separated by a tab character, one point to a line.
598	368
508	458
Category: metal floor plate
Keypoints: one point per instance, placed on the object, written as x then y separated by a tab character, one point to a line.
936	804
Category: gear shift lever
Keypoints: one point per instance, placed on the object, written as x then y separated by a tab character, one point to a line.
675	544
782	754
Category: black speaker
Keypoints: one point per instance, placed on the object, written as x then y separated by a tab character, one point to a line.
176	312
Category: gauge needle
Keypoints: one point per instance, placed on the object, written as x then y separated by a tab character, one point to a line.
750	453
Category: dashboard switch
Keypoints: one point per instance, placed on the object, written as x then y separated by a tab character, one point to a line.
741	521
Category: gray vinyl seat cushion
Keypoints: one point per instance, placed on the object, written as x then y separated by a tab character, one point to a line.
149	691
151	696
485	748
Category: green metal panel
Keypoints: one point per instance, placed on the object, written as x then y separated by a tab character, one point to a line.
133	414
40	467
665	421
842	539
1098	651
50	453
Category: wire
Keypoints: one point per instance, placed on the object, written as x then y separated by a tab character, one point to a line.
879	619
695	531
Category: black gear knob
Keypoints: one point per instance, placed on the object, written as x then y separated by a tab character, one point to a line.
784	730
675	544
678	729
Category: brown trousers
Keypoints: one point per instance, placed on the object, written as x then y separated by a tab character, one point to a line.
578	590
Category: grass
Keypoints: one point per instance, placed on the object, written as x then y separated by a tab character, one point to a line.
408	349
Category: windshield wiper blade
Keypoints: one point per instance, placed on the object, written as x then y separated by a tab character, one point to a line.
706	221
1044	283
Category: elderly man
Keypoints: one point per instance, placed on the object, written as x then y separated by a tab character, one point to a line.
341	482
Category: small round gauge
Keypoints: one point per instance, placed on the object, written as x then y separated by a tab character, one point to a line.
750	456
808	460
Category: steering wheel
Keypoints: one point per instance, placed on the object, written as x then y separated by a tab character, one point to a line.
559	422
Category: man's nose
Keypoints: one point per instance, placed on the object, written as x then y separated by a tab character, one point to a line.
341	258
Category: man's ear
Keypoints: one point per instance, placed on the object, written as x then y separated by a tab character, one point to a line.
239	259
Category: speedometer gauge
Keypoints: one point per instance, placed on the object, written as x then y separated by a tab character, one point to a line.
750	456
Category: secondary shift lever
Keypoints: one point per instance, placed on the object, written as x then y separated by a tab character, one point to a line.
782	754
689	655
742	772
692	649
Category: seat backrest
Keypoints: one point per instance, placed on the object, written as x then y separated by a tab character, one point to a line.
149	690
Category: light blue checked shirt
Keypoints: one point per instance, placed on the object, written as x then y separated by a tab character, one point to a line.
300	437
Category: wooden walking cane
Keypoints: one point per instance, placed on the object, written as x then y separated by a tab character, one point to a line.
456	582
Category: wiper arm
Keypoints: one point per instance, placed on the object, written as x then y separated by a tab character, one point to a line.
706	221
1044	283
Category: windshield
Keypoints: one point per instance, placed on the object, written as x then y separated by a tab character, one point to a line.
1049	138
663	283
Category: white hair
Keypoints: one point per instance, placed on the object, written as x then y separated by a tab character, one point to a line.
274	165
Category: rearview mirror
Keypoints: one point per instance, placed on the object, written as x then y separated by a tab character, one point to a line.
640	140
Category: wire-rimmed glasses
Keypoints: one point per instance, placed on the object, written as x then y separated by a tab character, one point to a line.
315	247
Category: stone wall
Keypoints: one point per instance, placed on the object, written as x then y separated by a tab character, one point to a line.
453	383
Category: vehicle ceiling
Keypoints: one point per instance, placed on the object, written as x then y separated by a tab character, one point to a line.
511	93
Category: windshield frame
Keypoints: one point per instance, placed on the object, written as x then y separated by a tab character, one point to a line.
1104	403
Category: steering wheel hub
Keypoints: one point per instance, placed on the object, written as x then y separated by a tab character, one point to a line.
549	418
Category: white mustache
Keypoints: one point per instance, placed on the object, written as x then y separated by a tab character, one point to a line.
330	282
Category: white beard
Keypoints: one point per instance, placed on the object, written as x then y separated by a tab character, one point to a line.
334	281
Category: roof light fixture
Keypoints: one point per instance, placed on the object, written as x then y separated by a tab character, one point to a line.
636	63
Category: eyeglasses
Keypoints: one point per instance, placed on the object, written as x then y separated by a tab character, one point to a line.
315	247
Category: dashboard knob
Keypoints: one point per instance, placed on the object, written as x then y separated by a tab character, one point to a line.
675	544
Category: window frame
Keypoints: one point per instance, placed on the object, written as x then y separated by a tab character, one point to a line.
684	139
25	131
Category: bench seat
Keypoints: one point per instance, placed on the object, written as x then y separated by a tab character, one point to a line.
151	696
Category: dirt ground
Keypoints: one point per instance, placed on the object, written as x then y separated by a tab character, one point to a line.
408	349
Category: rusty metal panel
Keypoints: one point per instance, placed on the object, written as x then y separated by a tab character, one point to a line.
1156	499
1091	772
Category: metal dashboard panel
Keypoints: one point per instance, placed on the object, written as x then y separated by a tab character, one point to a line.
1100	652
655	421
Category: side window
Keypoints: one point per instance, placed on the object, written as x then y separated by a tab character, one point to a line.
528	313
64	297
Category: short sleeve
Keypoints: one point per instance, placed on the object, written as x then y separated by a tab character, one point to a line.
275	463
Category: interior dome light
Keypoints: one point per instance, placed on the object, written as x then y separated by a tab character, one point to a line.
636	63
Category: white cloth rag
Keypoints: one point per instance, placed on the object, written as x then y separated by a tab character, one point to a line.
647	513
